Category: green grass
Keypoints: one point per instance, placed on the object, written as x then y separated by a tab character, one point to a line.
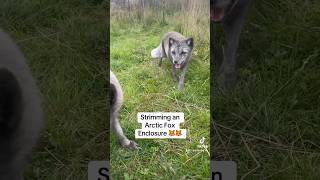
149	88
63	42
269	124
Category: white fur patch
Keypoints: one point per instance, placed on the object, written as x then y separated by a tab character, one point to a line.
155	53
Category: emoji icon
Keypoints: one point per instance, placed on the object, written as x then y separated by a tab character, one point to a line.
171	133
178	132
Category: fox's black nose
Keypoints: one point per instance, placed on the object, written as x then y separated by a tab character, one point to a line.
175	62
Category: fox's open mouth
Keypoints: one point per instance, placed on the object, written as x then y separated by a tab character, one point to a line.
177	66
217	14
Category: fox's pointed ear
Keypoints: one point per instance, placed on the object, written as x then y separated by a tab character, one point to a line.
10	101
171	41
190	42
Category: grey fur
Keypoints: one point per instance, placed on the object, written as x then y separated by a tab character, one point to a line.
232	14
116	100
20	111
178	49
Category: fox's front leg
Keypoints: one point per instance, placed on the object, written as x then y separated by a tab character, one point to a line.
174	73
233	30
160	62
124	141
182	77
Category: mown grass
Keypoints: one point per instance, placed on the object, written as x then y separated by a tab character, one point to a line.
269	124
64	44
149	88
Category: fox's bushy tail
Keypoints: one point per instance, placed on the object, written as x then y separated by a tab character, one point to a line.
155	53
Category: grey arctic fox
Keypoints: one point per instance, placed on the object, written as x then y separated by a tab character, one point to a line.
178	49
20	111
116	100
232	14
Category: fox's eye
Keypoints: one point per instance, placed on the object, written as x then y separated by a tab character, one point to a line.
173	52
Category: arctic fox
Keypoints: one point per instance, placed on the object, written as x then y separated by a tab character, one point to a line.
178	49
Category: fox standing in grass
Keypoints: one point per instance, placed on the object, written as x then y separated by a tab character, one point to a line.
178	49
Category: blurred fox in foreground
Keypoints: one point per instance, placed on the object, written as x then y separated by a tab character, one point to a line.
116	99
231	13
20	111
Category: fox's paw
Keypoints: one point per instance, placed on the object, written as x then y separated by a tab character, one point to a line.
181	86
126	143
132	145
